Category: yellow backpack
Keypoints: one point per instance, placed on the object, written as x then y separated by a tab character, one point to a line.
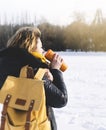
24	103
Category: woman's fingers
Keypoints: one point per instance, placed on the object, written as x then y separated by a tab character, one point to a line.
56	62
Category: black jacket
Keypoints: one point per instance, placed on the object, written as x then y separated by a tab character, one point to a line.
13	59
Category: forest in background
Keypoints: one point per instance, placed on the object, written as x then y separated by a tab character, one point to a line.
77	36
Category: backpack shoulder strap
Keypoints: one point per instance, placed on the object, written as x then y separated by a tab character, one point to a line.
28	72
40	73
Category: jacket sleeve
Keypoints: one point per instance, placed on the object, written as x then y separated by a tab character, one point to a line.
56	93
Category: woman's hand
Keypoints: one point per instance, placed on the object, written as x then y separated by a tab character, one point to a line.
56	62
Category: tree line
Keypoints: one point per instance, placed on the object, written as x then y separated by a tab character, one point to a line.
77	36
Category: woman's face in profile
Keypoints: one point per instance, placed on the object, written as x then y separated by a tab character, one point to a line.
38	46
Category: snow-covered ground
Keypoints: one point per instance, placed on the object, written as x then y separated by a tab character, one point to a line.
86	85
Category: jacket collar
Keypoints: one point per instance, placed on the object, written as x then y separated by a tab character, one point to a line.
22	54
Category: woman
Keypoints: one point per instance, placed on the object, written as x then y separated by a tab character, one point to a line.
18	53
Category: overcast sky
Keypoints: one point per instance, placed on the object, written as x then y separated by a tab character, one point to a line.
55	11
